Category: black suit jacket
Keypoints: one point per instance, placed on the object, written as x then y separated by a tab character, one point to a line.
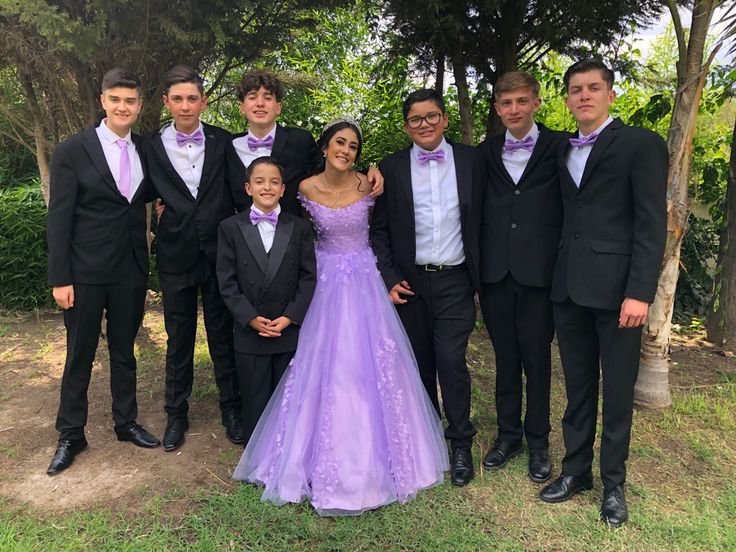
94	234
521	225
189	225
393	235
296	152
615	224
253	283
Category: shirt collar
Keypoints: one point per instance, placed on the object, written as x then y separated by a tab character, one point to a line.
533	132
271	133
110	136
599	129
277	210
441	147
172	129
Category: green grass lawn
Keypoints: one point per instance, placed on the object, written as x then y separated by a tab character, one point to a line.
681	490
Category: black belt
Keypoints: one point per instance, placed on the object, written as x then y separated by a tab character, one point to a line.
438	268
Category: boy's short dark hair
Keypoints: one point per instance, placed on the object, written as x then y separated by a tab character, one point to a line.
422	95
513	80
120	78
254	80
264	160
585	65
180	74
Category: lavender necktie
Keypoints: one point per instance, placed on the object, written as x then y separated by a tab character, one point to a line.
255	143
182	138
585	141
271	217
425	157
513	145
124	180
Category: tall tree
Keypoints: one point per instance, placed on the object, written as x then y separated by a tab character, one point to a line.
58	50
721	321
652	386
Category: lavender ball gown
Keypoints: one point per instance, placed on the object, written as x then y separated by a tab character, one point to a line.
349	427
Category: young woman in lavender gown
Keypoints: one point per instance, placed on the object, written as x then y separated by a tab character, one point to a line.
350	426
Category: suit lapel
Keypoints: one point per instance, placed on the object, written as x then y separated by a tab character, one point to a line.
279	142
138	141
210	146
252	238
543	141
604	140
162	158
464	180
281	238
497	152
405	183
93	147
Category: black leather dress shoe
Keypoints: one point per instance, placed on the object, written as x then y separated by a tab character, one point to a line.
540	466
461	466
66	450
565	487
233	427
501	453
174	434
138	436
614	511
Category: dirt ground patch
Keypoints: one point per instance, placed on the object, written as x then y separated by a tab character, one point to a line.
122	477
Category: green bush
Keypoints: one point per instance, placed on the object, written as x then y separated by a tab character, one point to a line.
23	282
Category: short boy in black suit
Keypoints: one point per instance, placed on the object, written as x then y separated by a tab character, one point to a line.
188	169
98	262
260	95
522	218
613	180
266	269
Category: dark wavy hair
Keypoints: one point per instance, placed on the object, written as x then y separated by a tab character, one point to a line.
263	160
329	132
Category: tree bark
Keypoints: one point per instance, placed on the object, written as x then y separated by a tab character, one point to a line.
721	321
463	97
652	386
439	81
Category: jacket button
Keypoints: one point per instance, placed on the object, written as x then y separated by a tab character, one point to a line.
575	236
293	261
513	225
288	283
245	263
579	204
258	302
250	284
517	192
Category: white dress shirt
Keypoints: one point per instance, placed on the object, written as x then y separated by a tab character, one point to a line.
247	156
187	159
436	209
515	161
265	228
578	157
112	155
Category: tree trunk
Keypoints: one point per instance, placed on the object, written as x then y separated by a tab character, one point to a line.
439	81
463	98
721	321
652	386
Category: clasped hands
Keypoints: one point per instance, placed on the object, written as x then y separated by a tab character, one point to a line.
269	328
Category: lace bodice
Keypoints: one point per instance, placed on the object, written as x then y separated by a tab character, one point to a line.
340	230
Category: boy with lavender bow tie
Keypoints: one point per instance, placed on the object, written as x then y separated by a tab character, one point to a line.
613	181
98	262
260	95
522	217
187	164
266	269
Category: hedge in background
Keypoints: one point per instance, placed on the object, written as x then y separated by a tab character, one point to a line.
23	281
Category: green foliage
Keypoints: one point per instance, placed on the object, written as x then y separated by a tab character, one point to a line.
23	249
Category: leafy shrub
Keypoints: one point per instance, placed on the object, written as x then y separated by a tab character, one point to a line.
23	257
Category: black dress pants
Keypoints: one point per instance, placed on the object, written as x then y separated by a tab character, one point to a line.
520	325
591	345
180	317
122	303
438	320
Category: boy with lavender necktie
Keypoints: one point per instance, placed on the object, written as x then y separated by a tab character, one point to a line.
98	262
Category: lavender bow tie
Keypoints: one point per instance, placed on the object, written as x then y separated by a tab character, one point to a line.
426	157
255	143
182	138
271	217
525	144
586	141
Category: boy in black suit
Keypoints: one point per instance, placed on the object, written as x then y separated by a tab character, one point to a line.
613	181
259	95
522	217
266	269
187	164
98	262
424	232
